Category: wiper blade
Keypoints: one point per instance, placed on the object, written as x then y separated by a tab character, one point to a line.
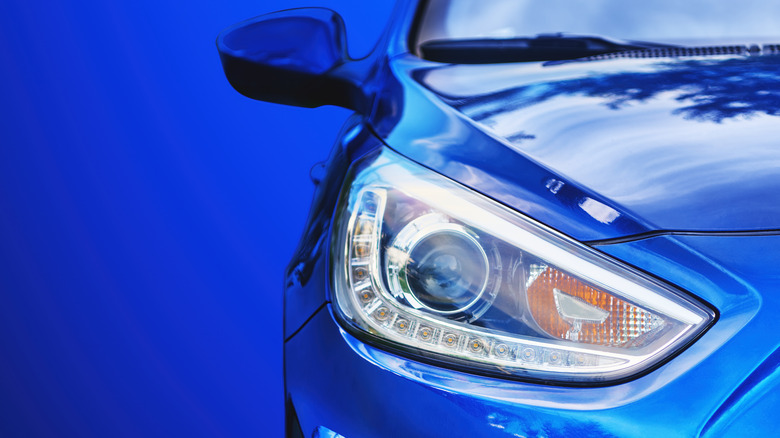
543	47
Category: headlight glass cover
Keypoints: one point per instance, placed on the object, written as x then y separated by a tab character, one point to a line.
436	271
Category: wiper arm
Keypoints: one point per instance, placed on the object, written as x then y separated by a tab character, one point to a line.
543	47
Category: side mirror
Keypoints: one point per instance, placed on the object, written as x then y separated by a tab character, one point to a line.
295	57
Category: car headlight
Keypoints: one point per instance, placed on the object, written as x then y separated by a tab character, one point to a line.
437	271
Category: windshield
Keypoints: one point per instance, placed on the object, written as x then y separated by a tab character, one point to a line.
685	22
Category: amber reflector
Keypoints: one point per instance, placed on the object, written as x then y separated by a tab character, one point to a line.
567	308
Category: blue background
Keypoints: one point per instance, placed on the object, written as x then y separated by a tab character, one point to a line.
147	212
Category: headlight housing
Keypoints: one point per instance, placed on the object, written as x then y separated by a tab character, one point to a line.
439	272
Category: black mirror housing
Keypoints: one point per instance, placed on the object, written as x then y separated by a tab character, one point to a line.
295	57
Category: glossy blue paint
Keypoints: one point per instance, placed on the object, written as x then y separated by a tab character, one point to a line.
658	155
681	144
665	164
755	399
488	165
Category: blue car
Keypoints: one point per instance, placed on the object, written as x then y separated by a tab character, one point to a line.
545	219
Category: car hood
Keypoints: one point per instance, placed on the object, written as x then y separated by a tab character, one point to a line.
647	144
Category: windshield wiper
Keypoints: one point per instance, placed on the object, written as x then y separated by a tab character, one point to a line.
543	47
